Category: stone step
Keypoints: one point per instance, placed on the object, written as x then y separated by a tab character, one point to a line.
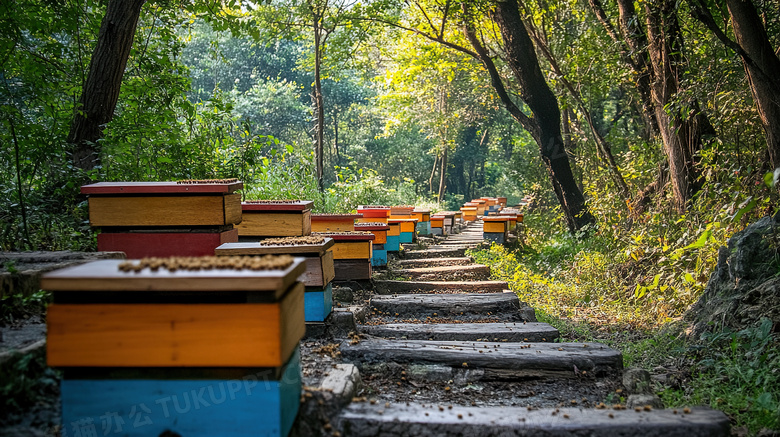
433	262
498	360
505	306
473	272
435	252
406	287
504	332
366	419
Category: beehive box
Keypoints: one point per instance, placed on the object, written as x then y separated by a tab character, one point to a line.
133	335
481	205
185	218
393	237
407	229
469	213
373	213
423	217
275	218
495	228
351	254
437	224
401	212
334	222
449	221
502	201
378	249
318	259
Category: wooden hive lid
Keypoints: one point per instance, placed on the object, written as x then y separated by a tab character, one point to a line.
106	276
347	236
402	220
277	205
372	226
213	186
259	248
334	217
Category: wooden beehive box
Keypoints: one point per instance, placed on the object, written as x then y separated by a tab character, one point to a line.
275	218
373	213
401	212
502	201
481	205
103	316
352	254
469	213
423	217
393	237
164	204
315	250
378	249
437	224
334	222
185	218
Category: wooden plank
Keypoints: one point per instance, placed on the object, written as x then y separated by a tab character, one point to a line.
164	244
434	262
109	188
405	287
105	276
352	250
444	305
510	331
275	224
255	248
473	272
352	269
175	335
405	419
126	211
508	359
254	404
318	303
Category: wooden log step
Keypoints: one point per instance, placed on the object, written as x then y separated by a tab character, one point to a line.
364	418
406	287
514	332
435	252
474	272
499	360
417	263
504	305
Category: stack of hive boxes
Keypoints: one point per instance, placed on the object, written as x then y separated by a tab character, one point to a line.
185	218
352	253
378	248
196	346
381	214
423	217
469	210
402	215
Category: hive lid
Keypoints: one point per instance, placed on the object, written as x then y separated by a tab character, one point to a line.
106	276
276	205
215	186
334	217
347	236
257	248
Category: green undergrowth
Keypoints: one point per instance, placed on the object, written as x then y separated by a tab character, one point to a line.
25	381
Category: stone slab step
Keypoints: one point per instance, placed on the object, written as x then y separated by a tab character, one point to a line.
435	252
404	287
473	272
433	262
504	332
496	305
391	420
498	360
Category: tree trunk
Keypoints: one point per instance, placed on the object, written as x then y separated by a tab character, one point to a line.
443	174
433	173
104	81
336	136
319	105
763	70
522	60
681	132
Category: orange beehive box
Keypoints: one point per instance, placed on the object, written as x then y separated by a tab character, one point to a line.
495	224
373	213
104	315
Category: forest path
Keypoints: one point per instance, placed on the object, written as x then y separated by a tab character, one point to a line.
446	351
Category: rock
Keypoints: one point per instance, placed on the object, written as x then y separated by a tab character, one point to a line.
343	295
344	382
744	287
342	323
637	381
643	400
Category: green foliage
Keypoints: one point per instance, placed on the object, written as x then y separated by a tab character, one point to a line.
735	372
17	307
24	380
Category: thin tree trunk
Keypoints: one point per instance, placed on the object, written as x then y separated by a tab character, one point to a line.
104	80
336	137
762	65
522	60
319	104
443	175
433	172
